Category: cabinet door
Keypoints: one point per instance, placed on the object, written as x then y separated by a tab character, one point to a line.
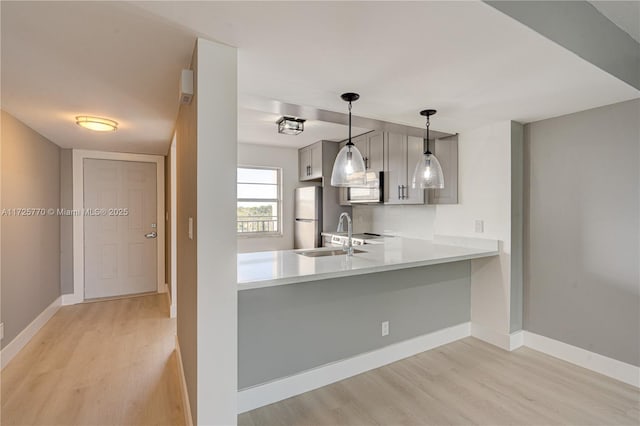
446	151
395	150
303	163
415	150
375	152
315	160
362	143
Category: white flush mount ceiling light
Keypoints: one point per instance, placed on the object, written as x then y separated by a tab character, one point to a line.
290	125
349	169
97	124
428	172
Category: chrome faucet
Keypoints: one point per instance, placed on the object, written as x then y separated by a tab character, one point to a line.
349	246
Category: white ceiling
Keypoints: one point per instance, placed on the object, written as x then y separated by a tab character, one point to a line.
60	60
625	14
469	61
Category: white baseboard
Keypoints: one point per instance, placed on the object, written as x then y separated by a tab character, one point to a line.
516	340
277	390
610	367
173	308
21	340
508	342
70	299
188	420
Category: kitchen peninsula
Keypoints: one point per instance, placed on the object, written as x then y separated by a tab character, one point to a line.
273	268
300	317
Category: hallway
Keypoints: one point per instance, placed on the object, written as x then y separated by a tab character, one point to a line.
101	363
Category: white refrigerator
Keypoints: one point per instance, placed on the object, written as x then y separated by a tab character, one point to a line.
308	217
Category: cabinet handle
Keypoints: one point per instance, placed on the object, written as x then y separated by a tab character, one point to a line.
399	194
366	162
308	170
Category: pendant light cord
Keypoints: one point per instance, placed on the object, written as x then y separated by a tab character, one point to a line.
427	151
350	143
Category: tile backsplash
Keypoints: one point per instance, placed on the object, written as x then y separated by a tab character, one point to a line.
405	221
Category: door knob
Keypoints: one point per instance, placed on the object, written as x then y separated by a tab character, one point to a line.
151	234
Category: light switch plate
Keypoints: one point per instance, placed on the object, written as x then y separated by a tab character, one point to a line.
479	226
191	228
1	331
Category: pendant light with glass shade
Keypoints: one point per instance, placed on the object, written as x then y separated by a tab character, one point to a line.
428	172
349	169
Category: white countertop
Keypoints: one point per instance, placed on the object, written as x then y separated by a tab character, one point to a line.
272	268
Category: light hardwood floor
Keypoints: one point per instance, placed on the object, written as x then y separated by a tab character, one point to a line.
101	363
112	363
463	383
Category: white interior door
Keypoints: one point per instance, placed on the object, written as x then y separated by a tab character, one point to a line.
120	228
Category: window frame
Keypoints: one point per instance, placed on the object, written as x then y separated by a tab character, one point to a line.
278	202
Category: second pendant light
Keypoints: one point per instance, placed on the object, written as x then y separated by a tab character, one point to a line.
428	172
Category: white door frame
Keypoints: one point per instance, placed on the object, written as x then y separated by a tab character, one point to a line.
79	155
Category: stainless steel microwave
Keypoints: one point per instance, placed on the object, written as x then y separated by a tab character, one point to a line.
372	194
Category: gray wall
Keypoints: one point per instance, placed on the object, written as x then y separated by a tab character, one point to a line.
30	245
187	291
289	329
582	230
517	179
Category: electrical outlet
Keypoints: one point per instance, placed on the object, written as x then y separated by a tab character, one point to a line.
1	331
479	226
385	328
190	229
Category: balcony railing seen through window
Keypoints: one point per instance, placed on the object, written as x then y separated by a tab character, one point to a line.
259	201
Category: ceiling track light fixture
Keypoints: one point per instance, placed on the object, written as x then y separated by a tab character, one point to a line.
349	169
290	125
97	124
428	172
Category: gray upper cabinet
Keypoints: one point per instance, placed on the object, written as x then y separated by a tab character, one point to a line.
401	153
304	163
310	162
415	151
446	151
375	153
396	155
371	146
362	143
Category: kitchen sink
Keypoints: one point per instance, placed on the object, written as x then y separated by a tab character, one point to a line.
324	252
